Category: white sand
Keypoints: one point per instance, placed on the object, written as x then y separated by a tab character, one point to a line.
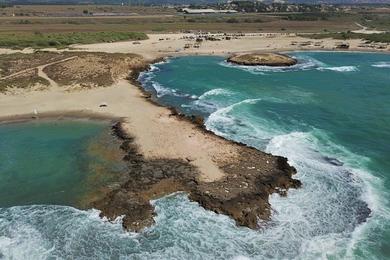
173	44
153	47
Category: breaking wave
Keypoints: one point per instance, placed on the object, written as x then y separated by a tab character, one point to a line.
328	214
216	92
339	209
381	64
340	68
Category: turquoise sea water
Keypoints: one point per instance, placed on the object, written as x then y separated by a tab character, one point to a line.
330	115
54	162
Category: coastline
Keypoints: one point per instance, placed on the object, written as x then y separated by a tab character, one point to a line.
58	116
211	179
150	137
173	45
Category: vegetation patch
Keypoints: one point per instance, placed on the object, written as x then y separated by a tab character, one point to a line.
26	80
62	40
16	62
89	70
71	69
375	37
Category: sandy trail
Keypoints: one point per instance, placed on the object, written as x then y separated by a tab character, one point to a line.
365	30
43	75
17	73
40	71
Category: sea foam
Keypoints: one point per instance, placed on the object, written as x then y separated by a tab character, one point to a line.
381	64
340	68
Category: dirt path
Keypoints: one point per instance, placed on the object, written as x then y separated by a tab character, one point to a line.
40	71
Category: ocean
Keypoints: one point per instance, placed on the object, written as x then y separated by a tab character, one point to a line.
329	115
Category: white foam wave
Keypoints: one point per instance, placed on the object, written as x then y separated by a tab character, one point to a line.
161	90
216	92
343	189
221	117
381	64
340	68
148	75
211	100
246	128
59	232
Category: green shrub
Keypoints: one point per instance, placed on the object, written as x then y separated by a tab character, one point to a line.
62	40
232	20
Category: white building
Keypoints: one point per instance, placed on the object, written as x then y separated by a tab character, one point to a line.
207	11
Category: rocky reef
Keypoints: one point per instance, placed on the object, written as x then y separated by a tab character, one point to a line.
263	59
241	194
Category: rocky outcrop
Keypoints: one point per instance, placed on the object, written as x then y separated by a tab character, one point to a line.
242	194
263	59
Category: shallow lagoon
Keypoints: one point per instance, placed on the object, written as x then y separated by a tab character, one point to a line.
56	162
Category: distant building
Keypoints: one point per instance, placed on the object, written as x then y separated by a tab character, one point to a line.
207	11
114	14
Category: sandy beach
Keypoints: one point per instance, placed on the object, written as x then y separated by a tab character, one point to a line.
173	44
162	45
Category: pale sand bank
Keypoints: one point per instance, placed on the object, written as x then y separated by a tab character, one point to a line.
173	44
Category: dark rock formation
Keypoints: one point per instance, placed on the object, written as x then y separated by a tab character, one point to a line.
263	59
242	194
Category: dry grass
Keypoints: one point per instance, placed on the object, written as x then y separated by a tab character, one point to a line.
26	80
61	40
13	63
151	19
93	69
87	70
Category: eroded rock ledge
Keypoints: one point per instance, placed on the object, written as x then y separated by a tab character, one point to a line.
263	59
242	194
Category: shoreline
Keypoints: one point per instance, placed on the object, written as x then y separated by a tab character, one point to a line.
167	176
173	44
59	116
214	176
158	177
166	152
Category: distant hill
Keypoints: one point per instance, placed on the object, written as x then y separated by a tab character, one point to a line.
134	2
340	1
198	2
